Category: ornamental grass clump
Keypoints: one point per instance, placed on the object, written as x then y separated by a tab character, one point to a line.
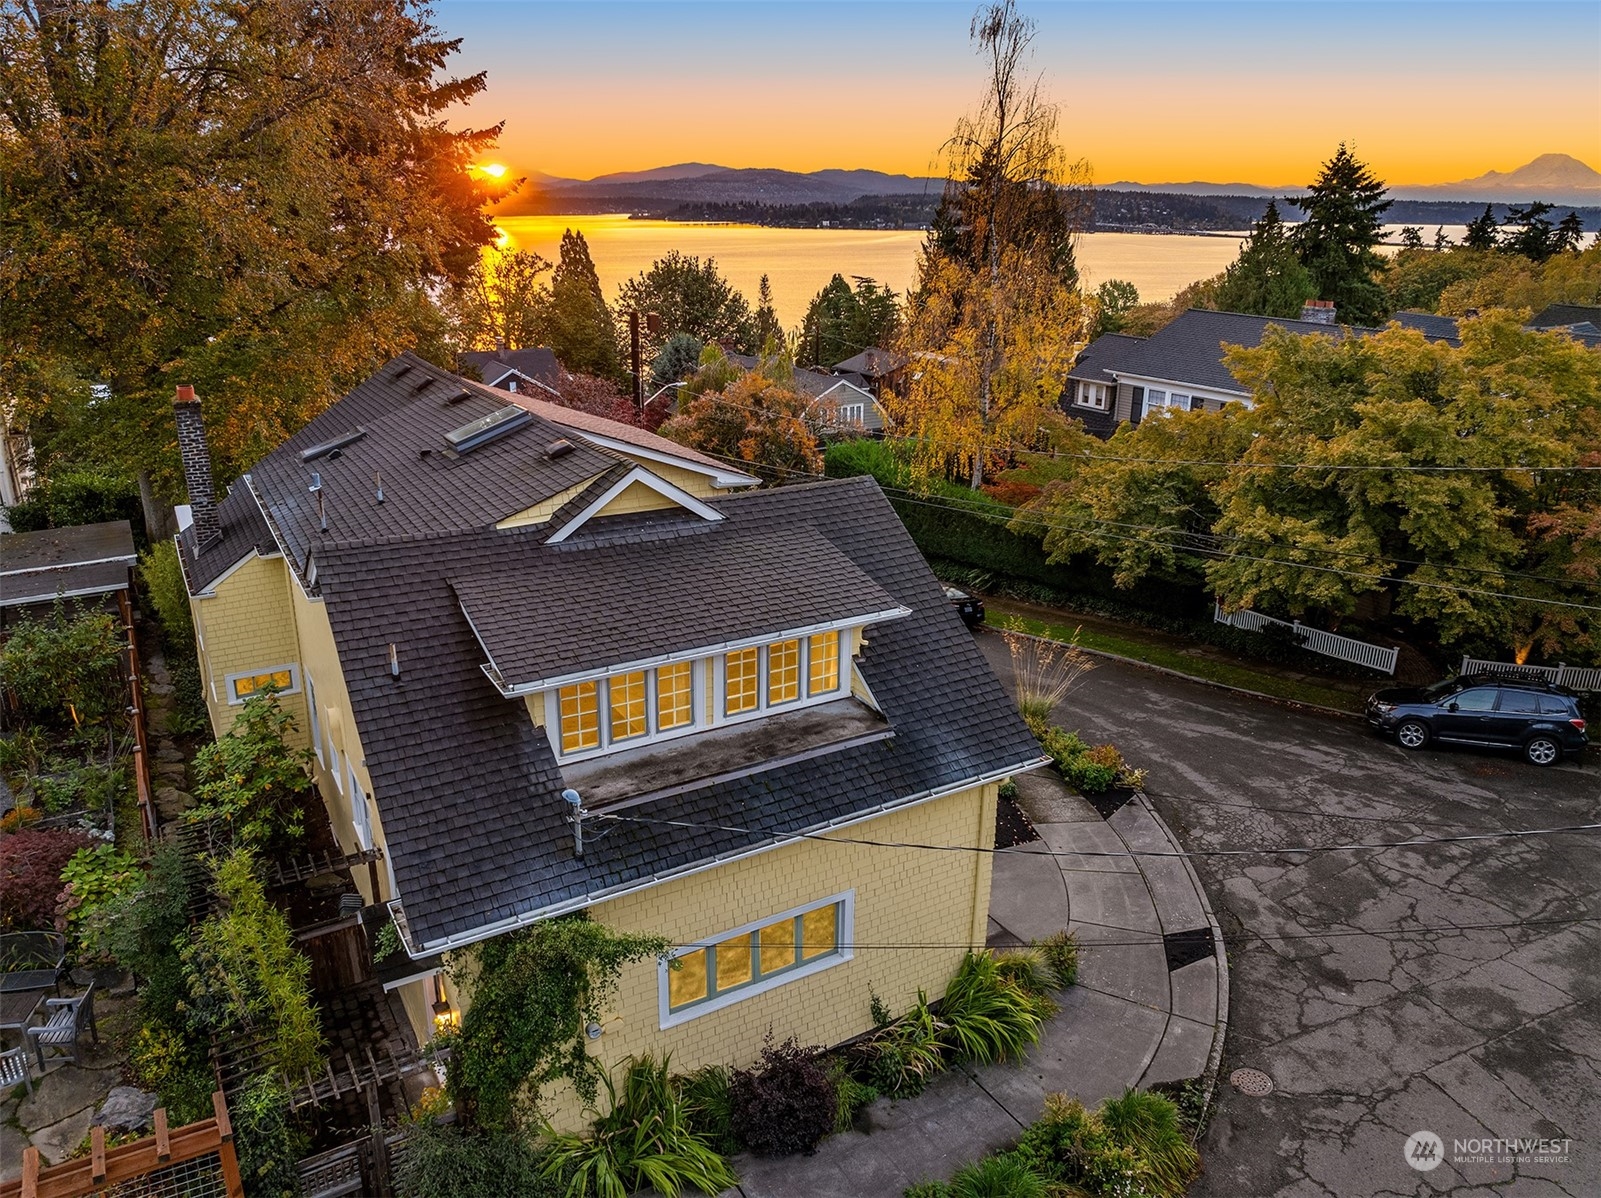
1150	1125
904	1057
1043	671
988	1015
644	1139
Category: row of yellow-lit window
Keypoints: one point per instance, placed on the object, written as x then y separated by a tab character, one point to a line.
627	706
276	680
624	700
750	957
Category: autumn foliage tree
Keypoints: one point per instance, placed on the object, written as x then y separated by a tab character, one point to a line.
255	198
753	419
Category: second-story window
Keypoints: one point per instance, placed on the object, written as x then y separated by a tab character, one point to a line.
783	672
742	681
822	652
580	716
627	693
675	696
599	714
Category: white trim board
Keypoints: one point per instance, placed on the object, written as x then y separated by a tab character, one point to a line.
645	478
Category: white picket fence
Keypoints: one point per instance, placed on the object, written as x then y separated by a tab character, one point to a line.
1573	677
1329	644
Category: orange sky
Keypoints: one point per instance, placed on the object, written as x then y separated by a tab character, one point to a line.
1152	92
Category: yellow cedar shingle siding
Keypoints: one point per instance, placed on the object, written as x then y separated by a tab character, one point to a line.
902	897
247	627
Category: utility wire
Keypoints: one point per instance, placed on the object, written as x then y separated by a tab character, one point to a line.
1267	851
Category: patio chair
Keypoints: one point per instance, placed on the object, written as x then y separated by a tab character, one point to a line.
68	1018
14	1069
32	960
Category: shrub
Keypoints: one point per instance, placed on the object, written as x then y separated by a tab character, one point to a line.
644	1140
454	1162
786	1105
177	1070
252	777
1044	671
95	880
92	787
1027	969
988	1017
901	1060
850	1095
996	1177
80	496
31	861
1060	951
142	927
269	1144
1148	1124
710	1107
927	1189
20	817
1059	1145
162	575
65	668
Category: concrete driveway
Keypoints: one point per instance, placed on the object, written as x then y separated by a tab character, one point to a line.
1474	1034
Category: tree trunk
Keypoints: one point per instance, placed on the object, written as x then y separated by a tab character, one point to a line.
158	516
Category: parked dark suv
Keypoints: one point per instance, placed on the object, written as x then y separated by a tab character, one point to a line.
1538	718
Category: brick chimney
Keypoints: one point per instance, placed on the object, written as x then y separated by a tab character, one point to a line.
1318	311
196	465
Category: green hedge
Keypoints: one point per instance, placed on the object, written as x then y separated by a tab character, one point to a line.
950	523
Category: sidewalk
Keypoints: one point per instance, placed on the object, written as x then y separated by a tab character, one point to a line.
1132	1020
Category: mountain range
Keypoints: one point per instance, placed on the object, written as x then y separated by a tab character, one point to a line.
1555	178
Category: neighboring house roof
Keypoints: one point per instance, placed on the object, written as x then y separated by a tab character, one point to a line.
536	365
818	386
872	363
468	788
1107	352
1190	348
1554	316
1435	328
77	561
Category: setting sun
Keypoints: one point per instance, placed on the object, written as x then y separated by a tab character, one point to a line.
494	170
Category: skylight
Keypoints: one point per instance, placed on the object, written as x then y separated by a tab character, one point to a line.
488	428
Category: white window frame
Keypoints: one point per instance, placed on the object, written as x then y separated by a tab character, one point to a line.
853	413
706	673
844	935
360	817
1092	395
235	700
314	721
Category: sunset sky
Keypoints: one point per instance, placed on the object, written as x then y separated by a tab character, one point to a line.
1154	92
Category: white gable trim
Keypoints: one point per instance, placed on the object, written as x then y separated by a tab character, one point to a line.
527	378
644	477
720	477
1202	389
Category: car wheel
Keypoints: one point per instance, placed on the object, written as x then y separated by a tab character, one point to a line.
1542	750
1413	734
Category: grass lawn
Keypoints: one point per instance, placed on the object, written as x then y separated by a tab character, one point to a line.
1129	644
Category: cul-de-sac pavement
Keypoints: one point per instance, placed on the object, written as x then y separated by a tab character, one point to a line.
1433	1023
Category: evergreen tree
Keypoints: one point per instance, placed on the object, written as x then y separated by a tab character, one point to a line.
691	297
1114	300
1441	241
1267	279
1530	232
579	326
1337	243
679	358
1411	237
841	321
1482	233
768	331
1570	233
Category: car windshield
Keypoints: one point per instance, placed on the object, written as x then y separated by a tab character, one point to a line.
1441	689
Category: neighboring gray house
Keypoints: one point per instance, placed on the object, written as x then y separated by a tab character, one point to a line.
840	404
1091	392
879	369
535	369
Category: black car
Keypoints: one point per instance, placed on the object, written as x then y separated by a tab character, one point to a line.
970	609
1538	718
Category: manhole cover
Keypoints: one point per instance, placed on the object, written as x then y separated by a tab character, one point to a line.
1251	1081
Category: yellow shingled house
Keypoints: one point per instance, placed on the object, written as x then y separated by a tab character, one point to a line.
549	662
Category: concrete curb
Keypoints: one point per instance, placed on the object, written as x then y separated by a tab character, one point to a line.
1214	1058
1298	704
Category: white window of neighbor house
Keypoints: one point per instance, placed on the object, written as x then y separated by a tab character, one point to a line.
360	817
759	956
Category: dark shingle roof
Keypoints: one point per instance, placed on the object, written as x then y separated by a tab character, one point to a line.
1107	352
872	362
1435	328
468	789
1190	348
562	610
537	363
243	532
1554	316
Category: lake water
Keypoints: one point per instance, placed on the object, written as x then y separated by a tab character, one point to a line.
798	262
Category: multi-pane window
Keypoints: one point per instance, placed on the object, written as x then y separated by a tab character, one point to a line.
1092	395
627	701
742	681
580	716
823	664
757	956
285	680
783	672
675	696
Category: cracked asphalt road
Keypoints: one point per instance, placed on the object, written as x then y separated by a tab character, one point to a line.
1487	1033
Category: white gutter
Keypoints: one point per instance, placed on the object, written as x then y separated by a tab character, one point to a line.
489	931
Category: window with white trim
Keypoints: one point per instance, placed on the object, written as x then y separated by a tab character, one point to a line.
360	817
724	969
852	413
762	677
601	713
1167	402
1092	395
314	721
282	680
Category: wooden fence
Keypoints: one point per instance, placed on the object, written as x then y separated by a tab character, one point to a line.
1573	677
1329	644
193	1161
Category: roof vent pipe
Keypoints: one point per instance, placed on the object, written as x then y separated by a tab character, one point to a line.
575	817
196	455
322	510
